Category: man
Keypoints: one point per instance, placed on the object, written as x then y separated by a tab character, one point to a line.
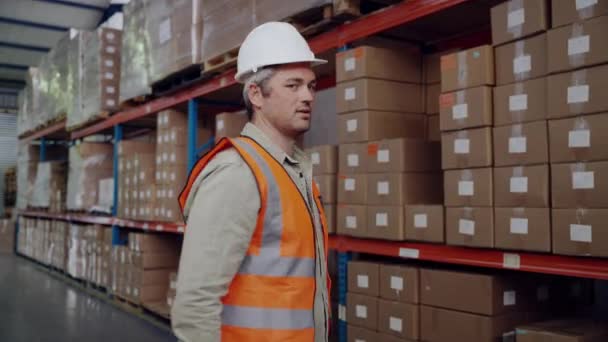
253	265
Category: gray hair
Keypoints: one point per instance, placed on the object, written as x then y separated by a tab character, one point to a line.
260	79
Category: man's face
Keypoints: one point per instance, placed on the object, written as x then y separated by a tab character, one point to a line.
287	104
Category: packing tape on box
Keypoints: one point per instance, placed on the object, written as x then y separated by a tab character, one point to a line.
516	17
466	224
580	135
586	8
518	183
578	45
518	103
466	184
519	223
518	143
582	179
578	91
522	62
463	69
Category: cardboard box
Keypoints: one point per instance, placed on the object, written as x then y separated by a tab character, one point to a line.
467	108
579	139
439	325
578	45
131	147
330	216
580	232
141	277
362	311
404	65
477	293
424	223
156	260
565	12
404	188
578	92
230	124
324	159
470	187
522	186
431	64
578	330
579	185
470	227
399	319
403	155
171	118
432	93
373	94
364	126
352	189
328	187
384	222
364	278
467	69
400	283
433	133
520	102
352	158
352	220
526	229
521	60
513	20
356	334
521	144
153	243
466	149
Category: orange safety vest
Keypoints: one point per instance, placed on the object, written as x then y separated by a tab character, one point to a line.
271	297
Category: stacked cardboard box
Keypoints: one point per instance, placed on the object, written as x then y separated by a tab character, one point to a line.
521	153
58	242
566	330
171	293
99	243
385	162
577	106
382	302
88	164
465	120
229	124
324	161
7	236
77	255
136	169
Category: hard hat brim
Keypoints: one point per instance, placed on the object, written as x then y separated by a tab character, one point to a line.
240	77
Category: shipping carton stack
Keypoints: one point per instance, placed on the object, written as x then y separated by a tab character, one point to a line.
229	124
152	259
465	104
136	170
577	111
99	244
76	263
49	191
385	162
88	164
324	161
7	236
520	135
58	241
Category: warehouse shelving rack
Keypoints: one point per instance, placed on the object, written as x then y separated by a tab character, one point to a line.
432	20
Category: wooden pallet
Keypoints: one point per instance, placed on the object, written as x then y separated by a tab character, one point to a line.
90	121
127	303
177	80
222	62
134	102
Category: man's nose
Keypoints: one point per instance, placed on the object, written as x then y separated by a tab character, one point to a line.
307	95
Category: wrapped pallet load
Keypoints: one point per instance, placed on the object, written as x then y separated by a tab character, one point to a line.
89	163
50	186
135	52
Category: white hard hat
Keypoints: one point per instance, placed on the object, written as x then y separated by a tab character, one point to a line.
270	44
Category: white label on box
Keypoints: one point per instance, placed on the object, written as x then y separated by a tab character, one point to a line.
382	188
164	173
351	222
172	159
383	156
220	125
362	281
579	138
170	193
395	324
411	253
142	176
381	219
361	311
466	188
460	111
461	146
165	156
158	175
518	145
352	160
518	102
583	180
173	136
522	64
511	260
350	94
519	226
110	90
509	298
164	31
582	4
351	125
396	283
578	94
315	158
350	64
420	221
108	75
108	63
466	227
342	312
518	185
166	137
578	45
516	18
349	184
110	49
580	233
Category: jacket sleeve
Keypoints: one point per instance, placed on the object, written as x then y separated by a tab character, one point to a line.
219	228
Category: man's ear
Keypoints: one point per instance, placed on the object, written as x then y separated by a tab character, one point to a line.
255	95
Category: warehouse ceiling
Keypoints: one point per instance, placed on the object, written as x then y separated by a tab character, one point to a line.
29	28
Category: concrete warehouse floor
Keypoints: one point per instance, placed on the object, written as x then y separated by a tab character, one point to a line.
35	306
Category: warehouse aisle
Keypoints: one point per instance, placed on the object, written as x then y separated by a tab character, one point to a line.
34	306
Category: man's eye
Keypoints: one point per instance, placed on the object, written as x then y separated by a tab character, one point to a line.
292	86
312	86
